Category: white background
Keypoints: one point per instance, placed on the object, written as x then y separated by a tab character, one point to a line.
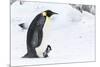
5	38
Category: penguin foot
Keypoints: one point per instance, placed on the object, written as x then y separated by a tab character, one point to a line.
29	55
48	49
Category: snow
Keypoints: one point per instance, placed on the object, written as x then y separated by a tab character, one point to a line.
72	35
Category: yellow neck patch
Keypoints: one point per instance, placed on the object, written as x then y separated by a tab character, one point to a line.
44	14
47	22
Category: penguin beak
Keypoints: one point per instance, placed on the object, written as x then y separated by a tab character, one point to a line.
55	13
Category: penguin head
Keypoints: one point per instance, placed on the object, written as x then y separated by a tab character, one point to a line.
48	13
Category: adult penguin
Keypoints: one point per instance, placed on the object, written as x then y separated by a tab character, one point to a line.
35	34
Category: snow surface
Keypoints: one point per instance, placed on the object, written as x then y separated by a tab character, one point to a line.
72	36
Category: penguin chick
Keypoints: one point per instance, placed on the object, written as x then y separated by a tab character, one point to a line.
48	49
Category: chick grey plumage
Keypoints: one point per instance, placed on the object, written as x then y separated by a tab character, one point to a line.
35	34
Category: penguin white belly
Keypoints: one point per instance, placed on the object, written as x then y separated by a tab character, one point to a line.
44	43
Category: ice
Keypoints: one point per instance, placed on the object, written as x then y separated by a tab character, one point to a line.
72	36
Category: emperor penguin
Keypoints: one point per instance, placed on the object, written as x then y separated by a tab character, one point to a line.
35	36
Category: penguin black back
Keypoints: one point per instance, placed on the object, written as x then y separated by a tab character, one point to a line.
34	35
35	26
